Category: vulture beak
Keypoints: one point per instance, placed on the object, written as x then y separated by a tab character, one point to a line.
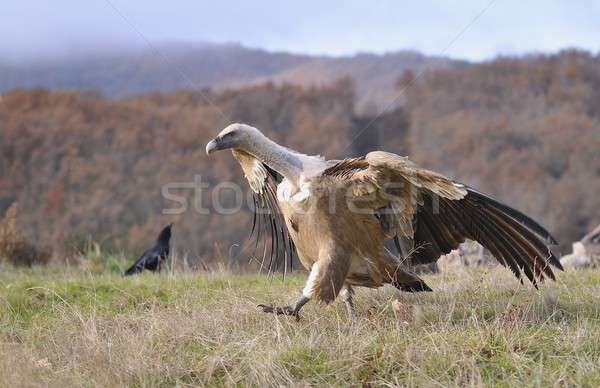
212	146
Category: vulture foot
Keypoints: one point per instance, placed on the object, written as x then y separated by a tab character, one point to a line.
285	310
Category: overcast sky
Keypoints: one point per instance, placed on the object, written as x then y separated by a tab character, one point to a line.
51	28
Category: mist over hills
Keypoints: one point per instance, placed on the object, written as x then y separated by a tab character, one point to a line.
174	66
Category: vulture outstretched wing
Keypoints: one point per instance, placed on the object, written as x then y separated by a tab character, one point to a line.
267	218
429	215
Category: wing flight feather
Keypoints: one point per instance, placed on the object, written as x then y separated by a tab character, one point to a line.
433	215
268	223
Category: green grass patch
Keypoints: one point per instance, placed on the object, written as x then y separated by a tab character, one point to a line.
69	327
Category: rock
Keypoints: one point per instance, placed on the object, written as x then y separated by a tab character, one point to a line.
592	243
468	254
578	259
586	253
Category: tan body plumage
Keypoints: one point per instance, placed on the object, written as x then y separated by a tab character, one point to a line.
339	245
339	213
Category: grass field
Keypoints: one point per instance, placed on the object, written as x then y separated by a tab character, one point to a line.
65	327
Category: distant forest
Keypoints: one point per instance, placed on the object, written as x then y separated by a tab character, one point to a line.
526	130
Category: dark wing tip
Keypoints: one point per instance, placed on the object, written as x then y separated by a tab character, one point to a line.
518	216
556	262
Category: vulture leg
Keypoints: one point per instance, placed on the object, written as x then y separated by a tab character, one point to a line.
285	310
325	281
347	295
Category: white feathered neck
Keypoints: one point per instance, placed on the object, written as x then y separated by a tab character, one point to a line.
291	164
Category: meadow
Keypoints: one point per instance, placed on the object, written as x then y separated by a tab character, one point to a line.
71	327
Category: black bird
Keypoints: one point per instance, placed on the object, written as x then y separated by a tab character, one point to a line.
154	257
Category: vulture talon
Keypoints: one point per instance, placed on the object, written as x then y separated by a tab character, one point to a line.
285	310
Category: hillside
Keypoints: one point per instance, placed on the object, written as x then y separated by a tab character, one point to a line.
376	76
162	68
79	164
524	130
174	66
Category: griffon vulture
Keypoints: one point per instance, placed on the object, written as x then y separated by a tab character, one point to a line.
338	214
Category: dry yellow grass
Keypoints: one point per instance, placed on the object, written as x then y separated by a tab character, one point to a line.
14	247
479	328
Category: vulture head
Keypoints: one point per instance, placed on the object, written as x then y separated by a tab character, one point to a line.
236	136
